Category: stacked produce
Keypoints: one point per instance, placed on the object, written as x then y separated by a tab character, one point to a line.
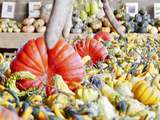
121	84
8	25
31	25
89	17
140	23
28	25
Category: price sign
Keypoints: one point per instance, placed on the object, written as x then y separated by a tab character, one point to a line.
156	10
8	9
34	9
132	8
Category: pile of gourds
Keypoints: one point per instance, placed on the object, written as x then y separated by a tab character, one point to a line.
142	22
28	25
8	25
31	25
89	17
121	80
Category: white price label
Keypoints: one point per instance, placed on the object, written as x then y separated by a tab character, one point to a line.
156	10
34	9
132	8
8	9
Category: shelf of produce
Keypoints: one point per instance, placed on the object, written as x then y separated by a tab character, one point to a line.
16	40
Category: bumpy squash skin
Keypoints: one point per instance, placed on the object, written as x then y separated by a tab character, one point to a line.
44	63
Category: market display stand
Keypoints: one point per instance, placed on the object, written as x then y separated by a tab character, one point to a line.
10	42
16	40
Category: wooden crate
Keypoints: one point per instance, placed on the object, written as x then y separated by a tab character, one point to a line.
16	40
11	42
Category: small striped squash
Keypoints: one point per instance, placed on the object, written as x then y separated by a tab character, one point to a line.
145	93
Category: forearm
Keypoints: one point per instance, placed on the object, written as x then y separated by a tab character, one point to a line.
57	21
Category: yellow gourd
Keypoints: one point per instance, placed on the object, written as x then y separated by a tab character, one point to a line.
145	93
87	94
86	59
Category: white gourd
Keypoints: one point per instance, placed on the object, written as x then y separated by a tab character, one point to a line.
106	108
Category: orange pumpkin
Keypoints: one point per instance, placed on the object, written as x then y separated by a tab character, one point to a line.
44	63
92	48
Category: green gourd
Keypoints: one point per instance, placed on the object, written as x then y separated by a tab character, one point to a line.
87	7
93	8
83	15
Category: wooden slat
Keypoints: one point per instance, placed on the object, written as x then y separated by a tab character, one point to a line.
16	40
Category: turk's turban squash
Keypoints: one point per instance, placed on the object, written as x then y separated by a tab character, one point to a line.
93	48
44	63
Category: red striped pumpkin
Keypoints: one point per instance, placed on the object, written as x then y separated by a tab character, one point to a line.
92	48
44	63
